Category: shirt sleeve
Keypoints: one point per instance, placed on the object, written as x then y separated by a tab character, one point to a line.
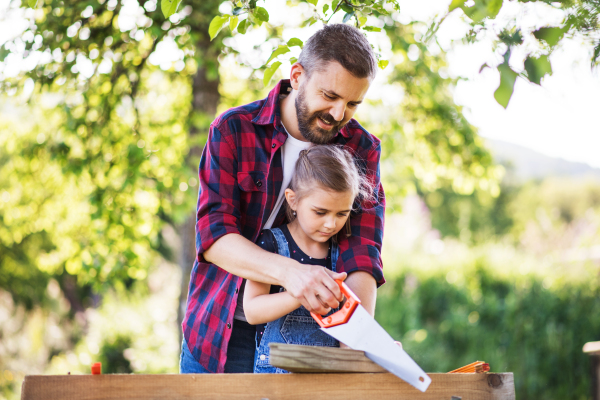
362	250
218	210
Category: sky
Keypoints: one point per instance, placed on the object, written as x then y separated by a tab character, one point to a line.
558	118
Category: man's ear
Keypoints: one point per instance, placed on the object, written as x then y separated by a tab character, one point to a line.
296	74
290	196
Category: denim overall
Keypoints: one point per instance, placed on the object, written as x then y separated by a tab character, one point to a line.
297	327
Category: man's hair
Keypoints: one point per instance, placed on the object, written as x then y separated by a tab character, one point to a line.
342	43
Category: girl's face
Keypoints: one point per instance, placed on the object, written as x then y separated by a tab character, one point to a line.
322	213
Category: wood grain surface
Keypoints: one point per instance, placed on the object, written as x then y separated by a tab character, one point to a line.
349	386
296	358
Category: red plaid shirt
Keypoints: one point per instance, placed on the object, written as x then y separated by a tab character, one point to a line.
240	178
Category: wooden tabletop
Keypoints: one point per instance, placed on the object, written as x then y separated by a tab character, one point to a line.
332	386
592	348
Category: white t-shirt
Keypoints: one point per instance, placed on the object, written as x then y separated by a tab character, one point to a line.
290	152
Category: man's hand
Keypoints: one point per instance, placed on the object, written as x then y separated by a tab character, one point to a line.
314	286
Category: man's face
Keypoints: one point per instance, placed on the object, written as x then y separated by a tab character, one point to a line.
327	100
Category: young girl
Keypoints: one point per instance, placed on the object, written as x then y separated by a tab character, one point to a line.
325	184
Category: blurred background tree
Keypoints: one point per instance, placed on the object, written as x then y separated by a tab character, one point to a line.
104	116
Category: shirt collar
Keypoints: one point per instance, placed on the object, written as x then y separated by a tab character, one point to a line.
270	112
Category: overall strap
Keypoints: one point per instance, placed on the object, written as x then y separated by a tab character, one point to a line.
282	244
335	253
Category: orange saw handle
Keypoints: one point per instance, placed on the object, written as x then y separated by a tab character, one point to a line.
345	312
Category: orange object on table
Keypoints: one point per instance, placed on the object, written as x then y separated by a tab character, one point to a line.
97	368
475	367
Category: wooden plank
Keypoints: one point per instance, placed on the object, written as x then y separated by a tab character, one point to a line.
296	358
592	348
381	386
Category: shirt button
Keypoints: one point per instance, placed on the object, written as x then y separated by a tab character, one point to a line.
228	325
258	183
273	145
262	357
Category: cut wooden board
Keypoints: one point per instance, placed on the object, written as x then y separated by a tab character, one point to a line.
265	386
296	358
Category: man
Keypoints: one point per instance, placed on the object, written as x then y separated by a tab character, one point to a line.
244	170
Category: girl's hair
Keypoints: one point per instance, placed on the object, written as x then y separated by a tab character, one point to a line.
329	167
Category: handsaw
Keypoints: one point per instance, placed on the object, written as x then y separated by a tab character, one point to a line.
354	326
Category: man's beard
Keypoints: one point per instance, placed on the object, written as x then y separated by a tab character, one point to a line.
307	124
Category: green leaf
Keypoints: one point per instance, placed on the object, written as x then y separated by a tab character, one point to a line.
493	8
233	21
596	56
362	21
334	5
346	8
537	68
278	51
216	25
241	28
382	63
347	16
325	8
269	72
169	7
295	42
32	3
261	14
455	4
293	60
313	2
550	35
507	84
371	29
481	9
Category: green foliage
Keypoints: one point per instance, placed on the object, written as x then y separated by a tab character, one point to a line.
216	25
85	190
353	12
582	19
112	356
88	181
516	324
474	218
550	35
480	10
278	51
555	202
556	213
537	68
428	143
507	83
169	7
270	71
